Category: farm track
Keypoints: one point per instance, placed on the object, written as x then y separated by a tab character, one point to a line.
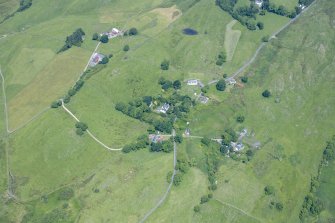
238	209
88	131
161	201
253	58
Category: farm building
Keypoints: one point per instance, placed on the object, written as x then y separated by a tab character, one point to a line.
192	82
203	99
113	33
164	108
231	81
187	132
95	59
237	146
259	3
155	138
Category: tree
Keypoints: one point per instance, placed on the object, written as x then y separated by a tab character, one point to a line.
240	118
177	84
177	179
269	190
132	32
104	60
56	104
104	39
178	138
165	65
110	55
250	153
222	57
266	94
126	48
265	39
167	85
260	25
244	79
66	194
279	206
204	199
196	208
221	85
79	132
81	125
206	141
95	36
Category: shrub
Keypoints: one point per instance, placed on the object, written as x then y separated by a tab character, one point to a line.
165	65
169	176
244	79
177	179
240	118
110	55
260	25
178	138
265	39
204	199
266	94
279	206
206	141
196	208
82	126
104	60
126	48
79	132
66	194
95	36
177	84
269	190
132	32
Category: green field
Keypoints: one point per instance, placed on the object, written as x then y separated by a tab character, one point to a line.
46	156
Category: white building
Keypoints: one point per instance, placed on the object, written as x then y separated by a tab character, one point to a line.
231	81
237	146
164	108
95	59
192	82
259	3
113	33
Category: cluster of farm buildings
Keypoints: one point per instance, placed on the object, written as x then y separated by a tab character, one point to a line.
96	58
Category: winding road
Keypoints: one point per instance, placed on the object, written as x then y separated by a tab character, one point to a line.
247	64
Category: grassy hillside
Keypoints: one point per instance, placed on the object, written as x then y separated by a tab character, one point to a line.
7	7
61	176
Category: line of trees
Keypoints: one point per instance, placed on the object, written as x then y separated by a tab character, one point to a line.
25	4
246	15
312	205
280	10
142	142
167	84
75	39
